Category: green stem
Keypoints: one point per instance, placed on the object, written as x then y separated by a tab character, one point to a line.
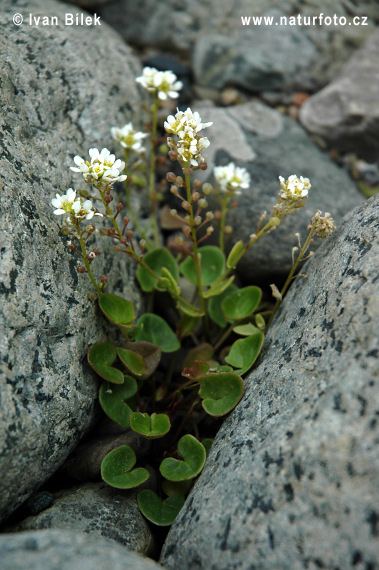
224	210
290	275
154	129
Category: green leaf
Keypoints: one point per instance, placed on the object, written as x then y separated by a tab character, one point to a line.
186	325
116	469
235	255
132	361
100	357
260	322
220	392
156	260
161	513
242	303
244	352
194	455
151	354
154	329
113	400
117	310
170	283
212	265
245	330
189	311
214	306
219	288
151	427
207	442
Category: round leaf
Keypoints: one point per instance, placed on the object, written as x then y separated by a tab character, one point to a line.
245	330
116	309
156	260
221	392
214	306
202	352
212	265
116	469
161	513
133	361
245	351
100	357
242	303
152	427
155	330
112	399
194	455
149	352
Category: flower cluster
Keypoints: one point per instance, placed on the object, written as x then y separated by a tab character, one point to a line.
186	125
163	84
74	206
129	138
294	188
103	170
231	178
323	225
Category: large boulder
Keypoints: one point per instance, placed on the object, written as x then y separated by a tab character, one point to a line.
291	479
346	112
270	145
61	91
284	54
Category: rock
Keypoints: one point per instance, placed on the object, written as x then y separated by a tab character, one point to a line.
66	550
346	112
61	91
260	139
214	31
39	502
96	509
292	475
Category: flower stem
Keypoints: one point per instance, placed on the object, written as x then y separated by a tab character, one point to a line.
86	262
290	275
152	201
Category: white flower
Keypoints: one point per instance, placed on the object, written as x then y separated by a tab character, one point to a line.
103	170
184	119
74	206
294	188
231	178
163	84
128	137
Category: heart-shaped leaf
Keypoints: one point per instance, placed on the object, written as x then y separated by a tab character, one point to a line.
177	487
207	442
214	306
117	469
101	356
212	265
151	353
244	352
113	400
156	259
154	329
221	392
194	455
161	513
242	303
117	310
151	427
132	361
197	370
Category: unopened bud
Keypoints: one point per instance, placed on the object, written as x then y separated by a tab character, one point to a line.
203	165
142	244
171	177
123	240
210	230
253	237
130	233
209	215
126	220
108	199
174	212
186	206
203	203
179	181
81	269
195	196
173	155
207	188
197	220
179	240
174	190
91	255
228	229
103	279
96	251
119	207
186	230
70	245
196	184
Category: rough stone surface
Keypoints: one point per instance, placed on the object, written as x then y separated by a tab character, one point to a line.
346	112
66	550
178	26
268	145
61	91
96	509
292	476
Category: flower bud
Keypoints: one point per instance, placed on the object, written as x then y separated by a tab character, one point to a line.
174	190
81	269
207	188
228	230
203	203
171	177
103	279
197	220
108	199
179	181
186	206
210	230
195	196
209	215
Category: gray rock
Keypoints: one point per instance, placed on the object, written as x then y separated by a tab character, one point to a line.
268	145
96	509
61	91
66	550
178	26
346	112
292	476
